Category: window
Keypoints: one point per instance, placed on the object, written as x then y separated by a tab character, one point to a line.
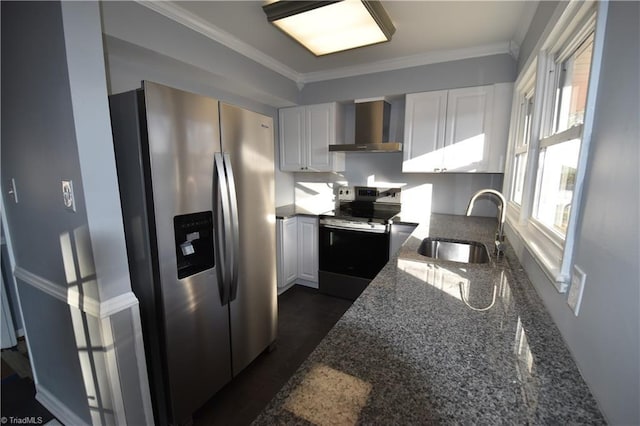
550	134
522	136
559	151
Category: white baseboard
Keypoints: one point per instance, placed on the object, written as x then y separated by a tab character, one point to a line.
57	408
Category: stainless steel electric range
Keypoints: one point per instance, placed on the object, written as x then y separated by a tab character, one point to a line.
354	239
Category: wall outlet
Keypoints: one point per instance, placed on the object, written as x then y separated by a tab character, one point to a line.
577	288
67	195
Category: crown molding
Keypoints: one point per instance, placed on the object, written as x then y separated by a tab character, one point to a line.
176	13
409	61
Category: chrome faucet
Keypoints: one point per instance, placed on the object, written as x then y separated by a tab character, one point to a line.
502	211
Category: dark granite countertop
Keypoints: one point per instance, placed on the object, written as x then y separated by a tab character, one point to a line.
432	342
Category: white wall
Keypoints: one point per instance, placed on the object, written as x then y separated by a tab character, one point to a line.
427	192
604	338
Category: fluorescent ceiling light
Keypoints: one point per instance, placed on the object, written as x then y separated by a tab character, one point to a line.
326	27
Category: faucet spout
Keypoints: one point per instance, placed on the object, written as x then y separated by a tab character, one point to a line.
502	211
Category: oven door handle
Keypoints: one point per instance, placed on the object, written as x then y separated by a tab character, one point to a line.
346	228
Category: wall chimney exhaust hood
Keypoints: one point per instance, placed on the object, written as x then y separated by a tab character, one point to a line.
372	129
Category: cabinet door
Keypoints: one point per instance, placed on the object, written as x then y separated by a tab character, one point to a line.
308	248
287	251
424	131
290	250
280	255
469	118
321	131
292	139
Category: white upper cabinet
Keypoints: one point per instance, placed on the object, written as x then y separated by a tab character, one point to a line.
305	135
425	115
292	135
459	130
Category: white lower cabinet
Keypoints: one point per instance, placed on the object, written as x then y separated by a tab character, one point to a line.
297	251
287	246
308	250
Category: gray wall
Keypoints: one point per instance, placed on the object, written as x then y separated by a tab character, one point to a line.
439	76
12	299
604	338
38	136
38	150
71	265
141	45
227	70
543	14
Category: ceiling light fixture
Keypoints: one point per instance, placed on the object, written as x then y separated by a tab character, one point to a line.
325	27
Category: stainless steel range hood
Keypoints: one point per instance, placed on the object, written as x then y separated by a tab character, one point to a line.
372	129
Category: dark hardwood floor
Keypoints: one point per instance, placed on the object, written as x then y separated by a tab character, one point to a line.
304	318
17	387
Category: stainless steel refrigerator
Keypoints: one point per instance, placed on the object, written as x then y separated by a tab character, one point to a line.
196	180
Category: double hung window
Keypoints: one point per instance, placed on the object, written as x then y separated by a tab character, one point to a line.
549	138
559	150
524	113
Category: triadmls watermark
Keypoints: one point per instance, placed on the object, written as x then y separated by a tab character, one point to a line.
26	420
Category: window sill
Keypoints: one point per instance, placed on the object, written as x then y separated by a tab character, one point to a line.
547	253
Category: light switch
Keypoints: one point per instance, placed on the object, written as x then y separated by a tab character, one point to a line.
13	191
67	195
578	279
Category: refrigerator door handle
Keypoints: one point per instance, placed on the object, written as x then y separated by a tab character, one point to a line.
222	224
235	228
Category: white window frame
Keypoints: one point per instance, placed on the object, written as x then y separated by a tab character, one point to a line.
552	252
524	90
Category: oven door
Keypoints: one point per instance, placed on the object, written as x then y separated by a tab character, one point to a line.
350	259
353	252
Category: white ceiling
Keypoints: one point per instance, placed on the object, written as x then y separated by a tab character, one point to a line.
426	32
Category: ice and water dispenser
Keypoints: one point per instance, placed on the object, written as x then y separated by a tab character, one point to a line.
194	243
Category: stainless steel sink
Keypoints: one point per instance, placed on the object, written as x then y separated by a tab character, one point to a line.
454	250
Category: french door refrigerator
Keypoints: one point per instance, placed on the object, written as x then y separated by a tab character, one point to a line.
196	181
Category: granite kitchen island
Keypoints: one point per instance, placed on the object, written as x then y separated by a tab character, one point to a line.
433	341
